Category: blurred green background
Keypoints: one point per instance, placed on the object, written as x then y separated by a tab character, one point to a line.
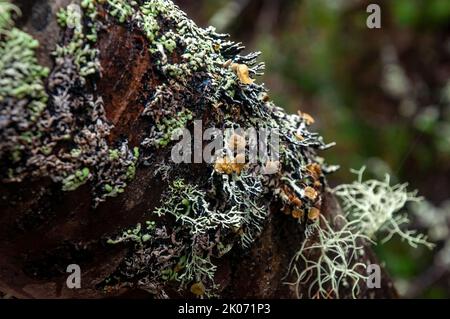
383	95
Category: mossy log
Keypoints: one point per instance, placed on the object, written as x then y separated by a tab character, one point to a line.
49	220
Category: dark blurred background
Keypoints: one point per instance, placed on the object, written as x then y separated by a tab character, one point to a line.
382	94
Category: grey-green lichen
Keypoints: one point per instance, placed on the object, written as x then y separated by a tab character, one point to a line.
80	47
164	130
22	93
59	130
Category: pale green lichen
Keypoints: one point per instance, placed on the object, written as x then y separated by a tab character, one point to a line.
328	263
169	126
75	180
189	207
201	71
376	206
199	223
6	11
139	234
198	49
21	76
80	47
22	94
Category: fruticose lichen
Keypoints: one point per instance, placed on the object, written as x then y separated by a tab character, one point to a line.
53	125
329	261
376	206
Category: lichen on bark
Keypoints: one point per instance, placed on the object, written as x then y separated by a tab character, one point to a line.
201	71
61	131
203	214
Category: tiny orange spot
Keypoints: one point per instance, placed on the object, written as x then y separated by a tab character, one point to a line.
306	117
313	213
310	193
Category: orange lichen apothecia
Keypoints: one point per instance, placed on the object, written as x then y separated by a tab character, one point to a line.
243	73
313	213
310	193
297	213
227	165
309	120
314	170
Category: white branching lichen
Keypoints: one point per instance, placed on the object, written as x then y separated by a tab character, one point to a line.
242	194
376	206
189	206
328	263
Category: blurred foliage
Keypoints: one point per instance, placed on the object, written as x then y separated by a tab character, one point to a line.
382	94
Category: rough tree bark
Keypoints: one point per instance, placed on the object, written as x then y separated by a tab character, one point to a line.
43	229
